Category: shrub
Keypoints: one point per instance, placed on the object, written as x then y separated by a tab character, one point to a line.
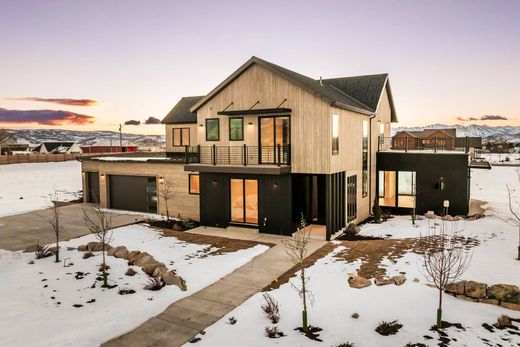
271	308
388	328
42	252
376	210
232	320
154	283
273	332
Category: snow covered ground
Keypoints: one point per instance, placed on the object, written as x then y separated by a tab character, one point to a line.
28	187
500	158
413	304
36	300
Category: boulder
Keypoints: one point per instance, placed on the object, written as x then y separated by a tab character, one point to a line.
510	306
112	251
475	290
489	301
150	267
97	246
178	227
132	256
456	288
144	260
87	255
467	298
352	229
170	279
430	215
504	321
121	252
159	271
130	272
502	291
383	281
358	282
399	279
82	248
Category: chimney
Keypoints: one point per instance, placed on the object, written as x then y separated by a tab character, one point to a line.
321	81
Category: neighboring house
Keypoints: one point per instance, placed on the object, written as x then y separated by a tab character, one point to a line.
443	139
109	146
9	144
57	148
268	145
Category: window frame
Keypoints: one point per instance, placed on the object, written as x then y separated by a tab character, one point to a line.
181	136
242	127
364	159
189	184
335	137
218	128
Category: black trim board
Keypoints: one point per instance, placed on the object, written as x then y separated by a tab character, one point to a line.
255	111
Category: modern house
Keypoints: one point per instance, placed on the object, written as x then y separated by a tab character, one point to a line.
57	148
266	146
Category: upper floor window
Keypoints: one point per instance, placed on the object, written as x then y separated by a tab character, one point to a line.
335	134
382	129
236	129
212	129
181	136
365	158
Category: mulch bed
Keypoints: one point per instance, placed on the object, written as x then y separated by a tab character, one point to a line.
351	237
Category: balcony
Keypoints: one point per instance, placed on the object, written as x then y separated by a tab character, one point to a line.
435	144
279	155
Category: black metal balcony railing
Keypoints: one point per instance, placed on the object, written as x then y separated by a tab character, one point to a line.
460	144
232	155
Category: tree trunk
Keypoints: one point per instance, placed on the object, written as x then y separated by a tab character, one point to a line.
439	310
304	295
104	265
518	243
57	249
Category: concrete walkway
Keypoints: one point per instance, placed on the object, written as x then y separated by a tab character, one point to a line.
22	230
185	318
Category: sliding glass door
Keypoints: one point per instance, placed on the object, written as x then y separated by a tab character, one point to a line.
274	132
244	201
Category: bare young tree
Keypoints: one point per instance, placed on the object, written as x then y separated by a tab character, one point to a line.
445	257
166	193
99	223
55	223
296	249
514	209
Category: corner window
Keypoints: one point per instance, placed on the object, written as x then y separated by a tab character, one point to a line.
194	185
397	189
181	137
382	129
365	158
335	134
236	129
351	198
212	129
387	188
406	189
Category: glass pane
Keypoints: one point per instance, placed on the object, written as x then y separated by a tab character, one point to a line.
176	137
387	198
282	131
406	182
212	130
194	184
236	129
335	134
237	200
267	131
406	201
186	136
251	201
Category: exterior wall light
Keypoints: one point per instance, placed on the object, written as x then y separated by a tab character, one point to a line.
161	180
441	184
250	123
201	125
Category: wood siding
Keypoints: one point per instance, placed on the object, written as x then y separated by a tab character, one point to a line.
183	203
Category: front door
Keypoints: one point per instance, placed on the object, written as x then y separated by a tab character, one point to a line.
274	139
244	201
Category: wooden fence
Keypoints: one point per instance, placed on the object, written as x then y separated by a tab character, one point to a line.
39	158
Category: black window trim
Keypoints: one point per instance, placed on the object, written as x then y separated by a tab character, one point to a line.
229	128
218	127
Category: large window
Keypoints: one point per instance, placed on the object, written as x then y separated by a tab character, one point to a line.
212	129
194	185
181	136
397	189
335	134
236	129
244	201
365	158
351	198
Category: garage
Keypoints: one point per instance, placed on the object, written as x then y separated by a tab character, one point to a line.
133	193
93	187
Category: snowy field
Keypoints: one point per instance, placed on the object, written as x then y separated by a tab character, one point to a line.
500	158
37	300
29	187
414	304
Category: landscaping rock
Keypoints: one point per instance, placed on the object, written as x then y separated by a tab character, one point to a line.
82	248
475	290
352	229
358	282
150	267
489	301
504	321
130	272
355	315
132	256
399	279
383	281
456	288
430	215
87	255
143	258
177	227
510	306
502	291
170	279
112	251
121	252
97	246
159	271
467	298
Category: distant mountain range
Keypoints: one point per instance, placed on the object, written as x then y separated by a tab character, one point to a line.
35	136
506	133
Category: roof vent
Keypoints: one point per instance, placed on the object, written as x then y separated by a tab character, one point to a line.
321	81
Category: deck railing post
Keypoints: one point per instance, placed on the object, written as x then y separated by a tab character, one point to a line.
244	151
186	155
278	157
435	148
406	144
467	144
198	153
214	155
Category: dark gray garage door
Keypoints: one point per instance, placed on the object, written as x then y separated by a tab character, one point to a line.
93	187
133	193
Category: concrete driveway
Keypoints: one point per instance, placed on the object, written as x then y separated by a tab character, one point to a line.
20	231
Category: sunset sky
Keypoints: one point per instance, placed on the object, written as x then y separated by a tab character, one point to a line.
95	64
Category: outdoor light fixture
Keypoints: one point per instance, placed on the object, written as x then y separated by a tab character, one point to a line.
441	184
250	123
161	180
201	125
446	205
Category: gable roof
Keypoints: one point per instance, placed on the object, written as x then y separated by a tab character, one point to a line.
338	92
422	134
54	146
180	113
